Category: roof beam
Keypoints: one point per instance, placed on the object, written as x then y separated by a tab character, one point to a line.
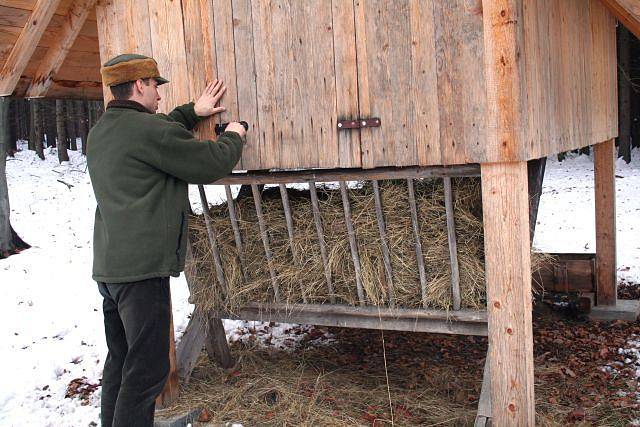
51	63
25	45
627	12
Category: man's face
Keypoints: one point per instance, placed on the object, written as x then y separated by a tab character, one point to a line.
149	96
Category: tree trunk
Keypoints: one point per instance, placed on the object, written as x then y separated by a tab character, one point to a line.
624	93
81	118
12	146
71	126
37	125
63	156
32	125
50	120
8	237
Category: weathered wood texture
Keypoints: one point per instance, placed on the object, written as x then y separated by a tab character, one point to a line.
467	322
51	63
627	12
79	74
508	277
21	52
605	191
417	65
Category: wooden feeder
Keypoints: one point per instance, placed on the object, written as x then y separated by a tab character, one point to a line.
368	90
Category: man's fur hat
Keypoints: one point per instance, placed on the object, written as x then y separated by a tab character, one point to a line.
130	67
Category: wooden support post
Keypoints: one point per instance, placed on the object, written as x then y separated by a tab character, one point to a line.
172	387
352	241
386	256
453	245
605	195
216	343
416	235
315	206
483	417
213	242
257	199
508	275
286	206
236	230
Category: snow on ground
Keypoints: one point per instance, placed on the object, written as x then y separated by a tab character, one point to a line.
50	309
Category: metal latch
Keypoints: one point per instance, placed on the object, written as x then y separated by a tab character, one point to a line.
373	122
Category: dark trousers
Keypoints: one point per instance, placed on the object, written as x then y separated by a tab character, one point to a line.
136	324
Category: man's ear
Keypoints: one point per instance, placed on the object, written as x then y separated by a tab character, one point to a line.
138	86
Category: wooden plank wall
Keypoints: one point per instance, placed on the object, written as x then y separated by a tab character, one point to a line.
569	75
292	69
79	75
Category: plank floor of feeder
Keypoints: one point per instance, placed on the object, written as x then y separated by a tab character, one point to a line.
466	322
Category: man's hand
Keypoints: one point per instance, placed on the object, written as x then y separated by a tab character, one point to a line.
206	105
237	128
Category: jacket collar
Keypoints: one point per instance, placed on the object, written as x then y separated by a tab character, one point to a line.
127	103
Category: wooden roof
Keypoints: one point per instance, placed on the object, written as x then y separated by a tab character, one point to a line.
50	47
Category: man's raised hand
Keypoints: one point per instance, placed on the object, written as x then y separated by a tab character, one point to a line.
206	105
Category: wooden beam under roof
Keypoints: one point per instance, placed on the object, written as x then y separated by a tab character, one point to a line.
627	12
25	45
57	53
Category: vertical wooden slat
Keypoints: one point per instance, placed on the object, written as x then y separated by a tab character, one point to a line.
320	233
200	54
352	241
213	242
246	82
346	81
605	201
386	256
453	246
289	220
416	235
25	45
426	114
236	230
167	35
257	198
226	58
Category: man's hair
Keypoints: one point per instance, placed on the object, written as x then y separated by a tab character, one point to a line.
125	90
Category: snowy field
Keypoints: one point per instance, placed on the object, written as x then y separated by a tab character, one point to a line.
50	309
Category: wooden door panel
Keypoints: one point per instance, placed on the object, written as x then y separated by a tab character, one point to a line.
293	74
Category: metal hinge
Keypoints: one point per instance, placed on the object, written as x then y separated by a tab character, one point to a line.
373	122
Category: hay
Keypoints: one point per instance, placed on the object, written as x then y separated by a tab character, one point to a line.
303	278
312	388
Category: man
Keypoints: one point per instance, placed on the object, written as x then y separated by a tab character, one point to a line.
140	163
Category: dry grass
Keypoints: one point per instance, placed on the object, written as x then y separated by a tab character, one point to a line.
301	278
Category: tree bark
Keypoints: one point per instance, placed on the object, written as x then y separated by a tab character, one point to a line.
624	93
5	227
37	125
10	242
50	120
81	118
32	126
71	126
63	156
12	145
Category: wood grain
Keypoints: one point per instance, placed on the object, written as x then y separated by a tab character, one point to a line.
25	45
508	275
605	201
57	53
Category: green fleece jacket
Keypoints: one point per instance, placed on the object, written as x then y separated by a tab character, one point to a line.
140	164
